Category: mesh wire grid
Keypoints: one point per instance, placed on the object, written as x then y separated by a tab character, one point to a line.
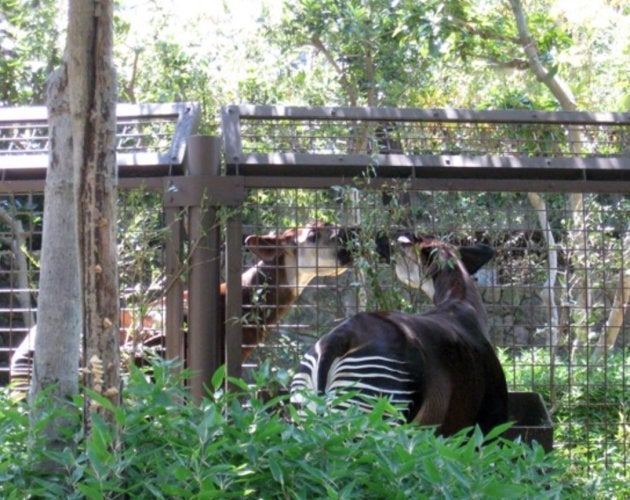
412	138
550	302
547	332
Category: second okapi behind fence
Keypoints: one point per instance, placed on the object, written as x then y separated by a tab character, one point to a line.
288	263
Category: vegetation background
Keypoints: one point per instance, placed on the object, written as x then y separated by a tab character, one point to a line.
459	54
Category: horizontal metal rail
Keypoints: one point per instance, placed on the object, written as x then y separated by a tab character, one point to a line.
253	112
151	139
500	150
177	188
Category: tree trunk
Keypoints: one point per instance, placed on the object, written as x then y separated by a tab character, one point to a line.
577	247
56	362
614	322
548	294
92	92
78	274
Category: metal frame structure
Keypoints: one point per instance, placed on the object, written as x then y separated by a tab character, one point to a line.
151	141
151	147
480	160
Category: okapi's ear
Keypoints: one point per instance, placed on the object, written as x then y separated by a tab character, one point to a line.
383	245
266	247
475	257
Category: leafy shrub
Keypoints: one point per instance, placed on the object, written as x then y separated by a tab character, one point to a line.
235	445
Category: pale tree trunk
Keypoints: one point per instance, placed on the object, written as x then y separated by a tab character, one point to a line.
577	234
548	294
56	362
78	279
620	304
92	96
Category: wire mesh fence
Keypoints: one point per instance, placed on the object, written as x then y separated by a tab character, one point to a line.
149	136
20	245
141	270
551	304
557	289
431	138
555	297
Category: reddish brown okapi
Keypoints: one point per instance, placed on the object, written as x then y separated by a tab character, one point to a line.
289	262
440	366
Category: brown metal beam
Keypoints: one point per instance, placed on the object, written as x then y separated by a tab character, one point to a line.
204	322
250	112
173	324
234	296
442	184
182	191
432	166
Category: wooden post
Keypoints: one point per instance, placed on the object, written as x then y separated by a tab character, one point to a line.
234	296
175	345
204	322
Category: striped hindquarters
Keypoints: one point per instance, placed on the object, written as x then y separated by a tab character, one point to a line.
132	352
368	375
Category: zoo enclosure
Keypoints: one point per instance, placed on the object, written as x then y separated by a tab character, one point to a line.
558	289
456	173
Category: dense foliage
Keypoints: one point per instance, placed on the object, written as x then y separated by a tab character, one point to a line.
403	53
222	448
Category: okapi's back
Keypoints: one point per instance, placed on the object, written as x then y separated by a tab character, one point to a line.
440	365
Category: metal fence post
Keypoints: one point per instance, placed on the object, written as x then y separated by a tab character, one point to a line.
174	342
204	322
234	296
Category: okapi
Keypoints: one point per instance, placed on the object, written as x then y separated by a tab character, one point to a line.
439	366
288	263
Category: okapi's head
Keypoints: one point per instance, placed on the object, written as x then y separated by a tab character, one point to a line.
306	252
420	258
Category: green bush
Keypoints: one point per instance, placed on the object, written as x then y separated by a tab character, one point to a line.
233	445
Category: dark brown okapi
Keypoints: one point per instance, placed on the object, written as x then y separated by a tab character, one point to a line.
440	366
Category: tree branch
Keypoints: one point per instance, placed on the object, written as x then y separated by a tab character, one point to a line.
471	29
556	85
350	91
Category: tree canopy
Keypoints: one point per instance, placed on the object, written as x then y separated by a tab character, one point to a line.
315	52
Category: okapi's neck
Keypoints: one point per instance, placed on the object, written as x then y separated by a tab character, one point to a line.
269	289
452	283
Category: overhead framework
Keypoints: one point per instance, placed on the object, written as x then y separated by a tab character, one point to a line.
433	148
443	149
150	140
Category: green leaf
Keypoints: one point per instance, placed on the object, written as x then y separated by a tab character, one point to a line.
498	431
100	399
431	470
240	383
497	489
218	378
276	471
